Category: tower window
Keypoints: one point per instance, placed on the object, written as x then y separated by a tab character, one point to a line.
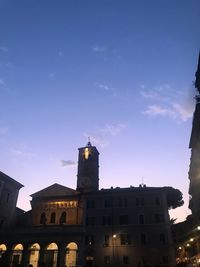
63	218
43	218
53	217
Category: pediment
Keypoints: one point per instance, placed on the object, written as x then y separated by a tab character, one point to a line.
55	190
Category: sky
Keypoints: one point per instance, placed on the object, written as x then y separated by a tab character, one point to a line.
119	71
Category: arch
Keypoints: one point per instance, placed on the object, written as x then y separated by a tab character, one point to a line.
34	251
3	249
71	254
43	218
51	254
53	217
17	255
63	217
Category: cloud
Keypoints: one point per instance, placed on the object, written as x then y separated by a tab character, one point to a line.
68	163
98	49
3	49
105	87
168	102
155	110
113	129
101	136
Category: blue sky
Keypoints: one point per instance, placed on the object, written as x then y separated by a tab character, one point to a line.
120	72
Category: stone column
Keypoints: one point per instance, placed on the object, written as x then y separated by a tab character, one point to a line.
61	255
25	255
41	254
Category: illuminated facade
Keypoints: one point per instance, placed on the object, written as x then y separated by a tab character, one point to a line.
91	226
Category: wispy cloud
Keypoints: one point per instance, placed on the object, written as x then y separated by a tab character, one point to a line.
155	110
102	135
98	48
68	163
3	49
168	102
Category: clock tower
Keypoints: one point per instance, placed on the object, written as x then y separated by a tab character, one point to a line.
88	169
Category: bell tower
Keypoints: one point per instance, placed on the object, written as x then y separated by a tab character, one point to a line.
88	169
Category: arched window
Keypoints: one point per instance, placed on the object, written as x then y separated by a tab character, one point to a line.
71	254
34	254
50	255
43	218
17	254
53	217
63	218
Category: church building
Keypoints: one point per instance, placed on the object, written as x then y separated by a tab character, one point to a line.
88	226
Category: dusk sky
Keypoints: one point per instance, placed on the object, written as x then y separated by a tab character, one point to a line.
119	71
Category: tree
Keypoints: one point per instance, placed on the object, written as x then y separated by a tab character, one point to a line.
174	197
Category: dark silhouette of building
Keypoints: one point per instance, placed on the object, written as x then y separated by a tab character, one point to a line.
187	233
92	227
194	171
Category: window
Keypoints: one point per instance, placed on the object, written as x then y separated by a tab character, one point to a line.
90	221
143	239
159	218
53	217
108	203
43	218
157	201
139	201
89	240
122	202
123	219
125	239
162	239
8	197
63	218
106	240
106	220
107	259
141	219
90	203
125	260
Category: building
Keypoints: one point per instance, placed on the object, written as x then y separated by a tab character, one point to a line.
91	226
9	189
187	233
194	170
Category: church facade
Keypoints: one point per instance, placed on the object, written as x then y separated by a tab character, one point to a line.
91	226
